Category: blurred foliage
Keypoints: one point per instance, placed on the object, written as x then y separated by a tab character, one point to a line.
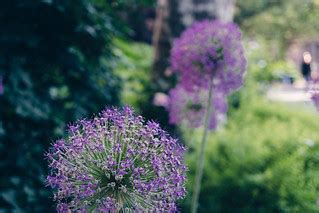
265	160
247	9
60	62
264	67
280	21
278	71
130	17
54	56
134	69
289	19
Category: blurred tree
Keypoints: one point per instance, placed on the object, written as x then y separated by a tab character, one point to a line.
161	43
246	9
172	17
166	14
133	18
55	59
279	21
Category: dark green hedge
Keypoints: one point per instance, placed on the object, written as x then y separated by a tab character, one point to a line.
55	58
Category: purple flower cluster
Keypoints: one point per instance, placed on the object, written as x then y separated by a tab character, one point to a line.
208	55
210	50
192	105
116	162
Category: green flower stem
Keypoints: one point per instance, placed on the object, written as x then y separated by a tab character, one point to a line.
201	157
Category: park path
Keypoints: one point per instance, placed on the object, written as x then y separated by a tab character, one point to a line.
295	95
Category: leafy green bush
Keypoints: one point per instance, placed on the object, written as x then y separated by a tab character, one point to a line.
265	160
273	71
264	66
133	67
50	58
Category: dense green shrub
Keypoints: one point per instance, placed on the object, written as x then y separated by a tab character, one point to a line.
265	160
133	67
267	72
50	57
265	66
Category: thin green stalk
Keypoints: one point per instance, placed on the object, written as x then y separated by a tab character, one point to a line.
201	156
189	139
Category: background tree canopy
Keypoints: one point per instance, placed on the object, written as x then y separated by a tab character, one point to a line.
56	59
56	63
279	21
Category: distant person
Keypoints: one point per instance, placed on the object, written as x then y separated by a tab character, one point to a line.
306	66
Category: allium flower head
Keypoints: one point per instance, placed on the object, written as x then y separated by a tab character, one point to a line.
210	50
116	163
191	106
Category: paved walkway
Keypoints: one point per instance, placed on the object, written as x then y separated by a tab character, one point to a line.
294	95
288	93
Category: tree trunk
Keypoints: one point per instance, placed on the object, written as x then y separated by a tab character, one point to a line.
172	17
162	45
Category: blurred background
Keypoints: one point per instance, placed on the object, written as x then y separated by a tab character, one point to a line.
61	60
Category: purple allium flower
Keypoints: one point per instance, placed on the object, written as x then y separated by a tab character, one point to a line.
210	50
190	106
117	162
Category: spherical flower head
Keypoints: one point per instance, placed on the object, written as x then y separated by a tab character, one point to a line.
116	163
210	51
191	106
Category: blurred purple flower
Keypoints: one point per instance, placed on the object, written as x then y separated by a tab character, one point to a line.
209	57
210	50
190	106
116	162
